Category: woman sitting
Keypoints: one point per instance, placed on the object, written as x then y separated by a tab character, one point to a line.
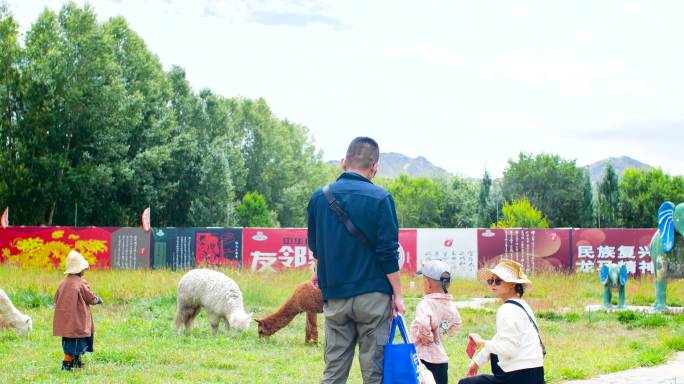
516	351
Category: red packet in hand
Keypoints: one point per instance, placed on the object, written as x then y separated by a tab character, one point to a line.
473	370
471	347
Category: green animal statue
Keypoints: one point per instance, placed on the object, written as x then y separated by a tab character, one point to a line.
613	275
667	249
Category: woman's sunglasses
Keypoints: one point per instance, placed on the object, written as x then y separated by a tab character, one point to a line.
496	281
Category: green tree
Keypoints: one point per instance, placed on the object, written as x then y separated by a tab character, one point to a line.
459	205
521	214
418	201
148	94
213	205
494	204
642	191
197	178
608	200
483	201
556	186
284	165
587	205
10	97
74	122
253	211
422	202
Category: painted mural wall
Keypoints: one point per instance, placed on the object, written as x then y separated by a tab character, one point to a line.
278	249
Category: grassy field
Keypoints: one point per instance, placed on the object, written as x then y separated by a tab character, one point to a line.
135	341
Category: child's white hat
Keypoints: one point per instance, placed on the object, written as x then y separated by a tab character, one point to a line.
75	263
434	269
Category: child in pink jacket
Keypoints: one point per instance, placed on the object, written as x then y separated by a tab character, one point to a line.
436	315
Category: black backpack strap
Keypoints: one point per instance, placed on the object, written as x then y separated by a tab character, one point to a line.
531	321
344	218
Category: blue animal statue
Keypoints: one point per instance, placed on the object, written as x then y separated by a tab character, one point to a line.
667	249
613	275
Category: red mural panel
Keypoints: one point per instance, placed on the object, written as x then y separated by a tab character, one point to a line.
218	246
408	259
272	249
535	248
275	249
43	247
595	247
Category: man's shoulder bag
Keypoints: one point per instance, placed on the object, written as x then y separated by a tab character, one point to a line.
345	219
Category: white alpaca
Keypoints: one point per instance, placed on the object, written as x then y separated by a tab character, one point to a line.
20	322
217	293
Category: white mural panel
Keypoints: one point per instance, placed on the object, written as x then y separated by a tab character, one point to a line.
457	247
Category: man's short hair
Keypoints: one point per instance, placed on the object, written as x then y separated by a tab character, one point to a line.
362	153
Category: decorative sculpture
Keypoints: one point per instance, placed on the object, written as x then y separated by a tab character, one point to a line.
613	275
667	249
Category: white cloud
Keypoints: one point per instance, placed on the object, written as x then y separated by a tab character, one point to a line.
572	76
632	8
271	12
567	75
655	21
521	15
230	11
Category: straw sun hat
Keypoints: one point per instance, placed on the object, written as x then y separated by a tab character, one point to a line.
75	263
507	270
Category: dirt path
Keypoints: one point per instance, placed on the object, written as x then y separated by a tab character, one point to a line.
670	373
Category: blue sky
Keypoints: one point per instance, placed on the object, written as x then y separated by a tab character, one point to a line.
467	84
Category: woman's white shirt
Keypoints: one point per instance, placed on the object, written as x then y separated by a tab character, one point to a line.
516	342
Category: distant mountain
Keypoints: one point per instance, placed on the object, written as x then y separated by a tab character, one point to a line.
394	164
619	163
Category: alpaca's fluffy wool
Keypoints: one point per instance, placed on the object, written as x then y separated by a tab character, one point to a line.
218	294
305	298
12	317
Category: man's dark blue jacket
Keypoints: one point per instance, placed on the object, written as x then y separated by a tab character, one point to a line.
346	267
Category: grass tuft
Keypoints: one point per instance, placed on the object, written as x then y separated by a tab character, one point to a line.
31	298
550	315
652	355
573	373
675	342
627	317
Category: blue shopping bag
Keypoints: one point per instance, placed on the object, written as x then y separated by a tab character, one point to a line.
401	362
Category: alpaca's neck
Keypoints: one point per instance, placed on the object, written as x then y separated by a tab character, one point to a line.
239	311
280	318
9	312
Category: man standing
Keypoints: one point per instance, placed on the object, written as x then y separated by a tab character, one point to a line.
359	277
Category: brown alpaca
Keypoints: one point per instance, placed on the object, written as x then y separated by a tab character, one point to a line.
305	298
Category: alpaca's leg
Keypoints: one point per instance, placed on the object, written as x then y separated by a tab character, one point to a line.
181	317
190	317
179	320
311	328
214	321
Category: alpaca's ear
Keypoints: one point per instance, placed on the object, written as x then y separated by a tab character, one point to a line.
258	321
